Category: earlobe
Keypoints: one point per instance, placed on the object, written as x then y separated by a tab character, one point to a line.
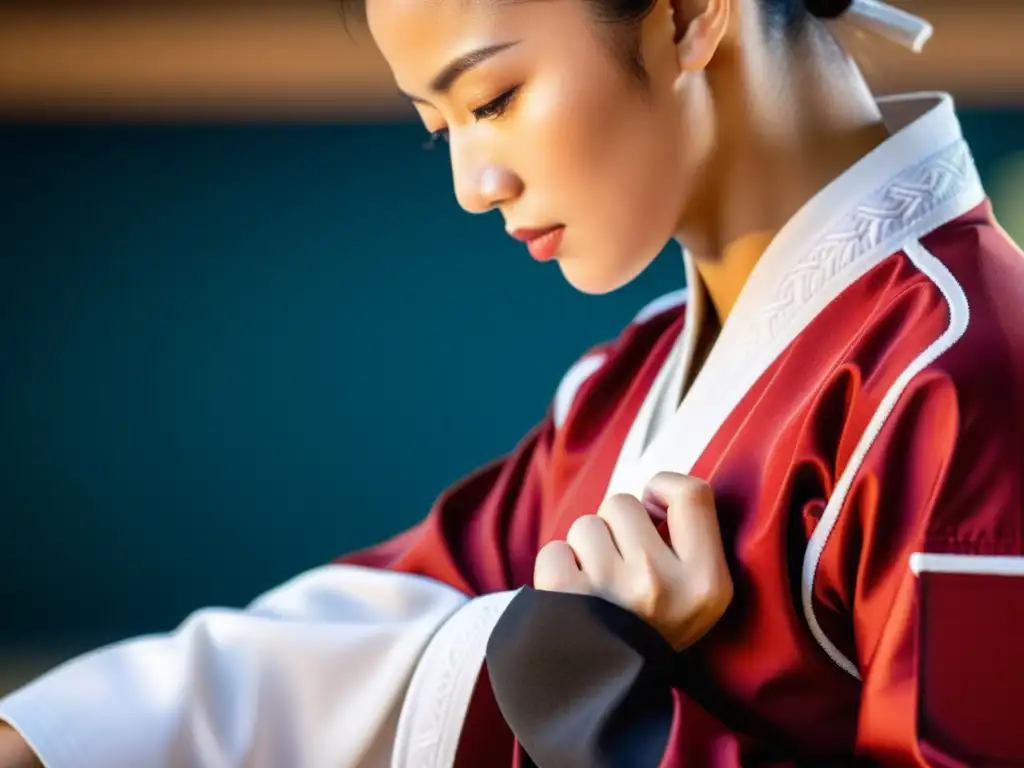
698	37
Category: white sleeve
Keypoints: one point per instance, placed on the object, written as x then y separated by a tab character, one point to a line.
311	675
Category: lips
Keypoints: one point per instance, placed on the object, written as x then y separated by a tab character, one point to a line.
542	243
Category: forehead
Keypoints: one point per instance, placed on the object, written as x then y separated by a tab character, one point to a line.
419	37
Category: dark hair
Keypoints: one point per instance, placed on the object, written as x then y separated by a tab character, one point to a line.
781	13
787	16
625	17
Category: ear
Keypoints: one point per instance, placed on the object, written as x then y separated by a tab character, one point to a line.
700	27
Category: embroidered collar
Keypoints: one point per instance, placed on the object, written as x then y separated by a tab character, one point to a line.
921	177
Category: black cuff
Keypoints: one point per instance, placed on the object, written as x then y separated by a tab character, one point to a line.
582	682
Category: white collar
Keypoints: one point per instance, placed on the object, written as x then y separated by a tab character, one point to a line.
921	177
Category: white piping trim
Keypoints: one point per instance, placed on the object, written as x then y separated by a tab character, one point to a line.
661	304
789	288
959	317
588	365
571	383
982	565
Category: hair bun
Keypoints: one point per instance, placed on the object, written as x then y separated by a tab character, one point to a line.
828	9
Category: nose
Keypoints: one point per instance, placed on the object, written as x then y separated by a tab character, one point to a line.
482	187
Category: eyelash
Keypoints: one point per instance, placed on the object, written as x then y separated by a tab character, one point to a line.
496	107
492	110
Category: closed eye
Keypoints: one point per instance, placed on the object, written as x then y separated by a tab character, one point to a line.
493	109
496	107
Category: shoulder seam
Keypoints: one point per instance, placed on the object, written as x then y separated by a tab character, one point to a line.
959	318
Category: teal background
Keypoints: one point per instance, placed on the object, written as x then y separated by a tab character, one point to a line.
229	353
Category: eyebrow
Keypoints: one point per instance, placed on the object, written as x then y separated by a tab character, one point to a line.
445	79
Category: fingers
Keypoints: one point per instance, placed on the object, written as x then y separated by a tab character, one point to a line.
692	519
595	549
682	590
632	529
556	570
697	541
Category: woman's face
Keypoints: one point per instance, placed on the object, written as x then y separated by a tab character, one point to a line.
547	124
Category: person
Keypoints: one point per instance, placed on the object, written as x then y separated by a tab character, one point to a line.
777	522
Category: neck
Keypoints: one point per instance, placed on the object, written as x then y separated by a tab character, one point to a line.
724	277
776	147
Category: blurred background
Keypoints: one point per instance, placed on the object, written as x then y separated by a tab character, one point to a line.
244	327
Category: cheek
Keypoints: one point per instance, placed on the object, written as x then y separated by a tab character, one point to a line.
611	170
624	154
590	132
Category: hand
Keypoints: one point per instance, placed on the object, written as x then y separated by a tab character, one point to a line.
681	590
14	751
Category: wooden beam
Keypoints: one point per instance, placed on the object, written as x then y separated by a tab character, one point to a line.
193	62
299	61
975	53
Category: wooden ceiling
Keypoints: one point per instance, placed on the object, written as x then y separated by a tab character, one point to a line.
297	59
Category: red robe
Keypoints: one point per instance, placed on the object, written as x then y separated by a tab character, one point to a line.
861	421
866	404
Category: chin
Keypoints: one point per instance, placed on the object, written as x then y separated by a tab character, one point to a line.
595	277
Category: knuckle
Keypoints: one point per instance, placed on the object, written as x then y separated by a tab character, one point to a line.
550	569
589	542
621	500
690	491
619	509
712	594
648	593
550	550
584	527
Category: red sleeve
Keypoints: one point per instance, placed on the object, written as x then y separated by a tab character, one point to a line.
482	534
939	652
